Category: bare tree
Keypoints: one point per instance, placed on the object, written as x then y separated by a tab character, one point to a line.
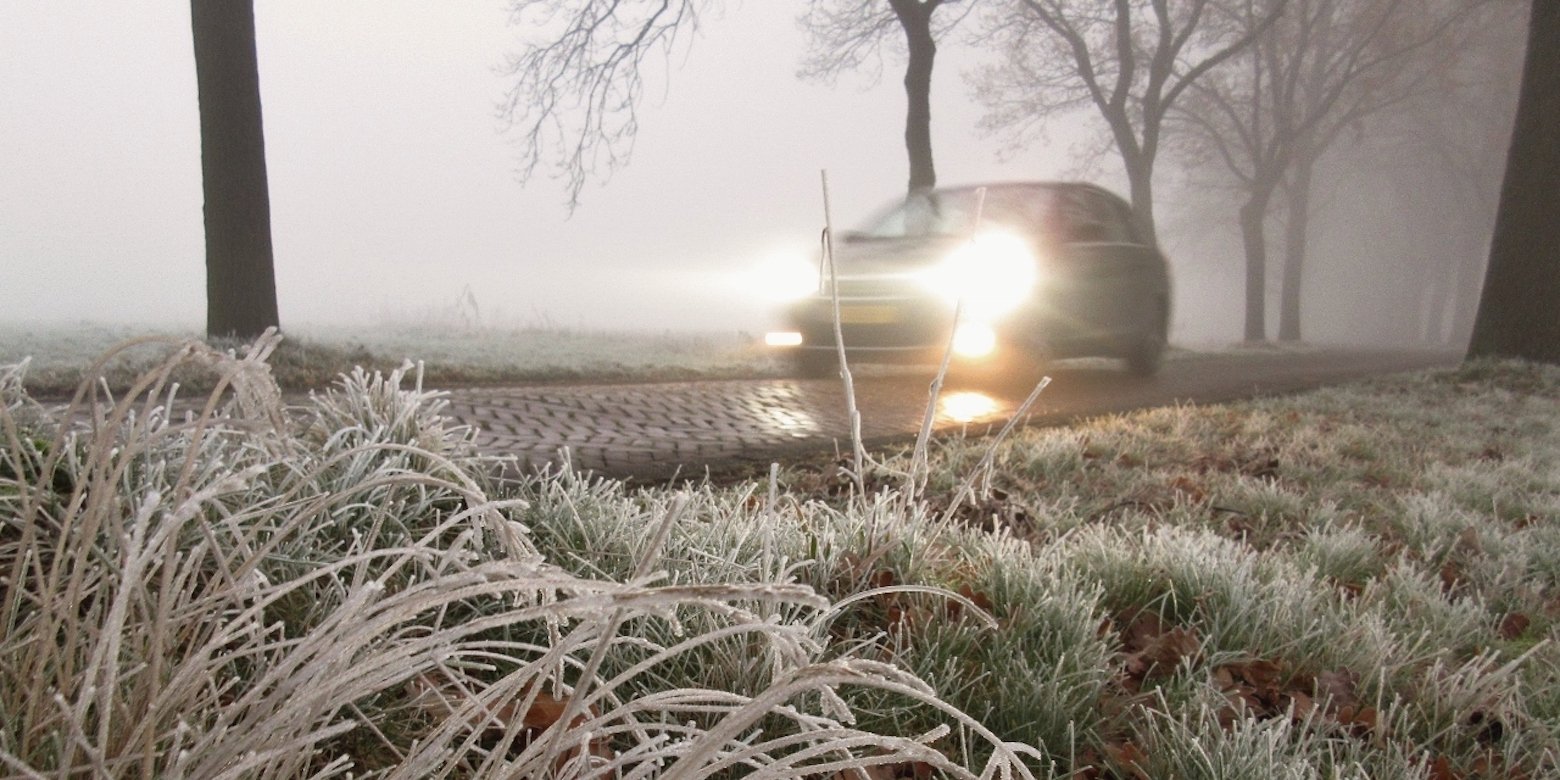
1522	285
847	33
577	87
240	272
1129	59
1443	153
1324	67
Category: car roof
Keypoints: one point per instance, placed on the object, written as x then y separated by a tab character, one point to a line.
1055	184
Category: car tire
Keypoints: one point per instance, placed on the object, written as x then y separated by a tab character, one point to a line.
1147	352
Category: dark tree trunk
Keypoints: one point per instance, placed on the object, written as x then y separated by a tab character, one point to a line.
915	16
1517	310
1253	235
1140	177
1298	201
240	275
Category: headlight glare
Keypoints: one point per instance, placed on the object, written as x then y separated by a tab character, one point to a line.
786	277
974	340
992	273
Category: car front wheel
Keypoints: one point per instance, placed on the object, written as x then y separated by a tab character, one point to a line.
1147	352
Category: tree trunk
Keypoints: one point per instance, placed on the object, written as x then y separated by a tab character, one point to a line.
1254	237
1298	202
1517	310
240	274
1140	178
915	17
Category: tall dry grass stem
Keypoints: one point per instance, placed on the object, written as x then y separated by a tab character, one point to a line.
852	413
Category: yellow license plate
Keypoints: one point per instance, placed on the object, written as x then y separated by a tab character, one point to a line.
868	315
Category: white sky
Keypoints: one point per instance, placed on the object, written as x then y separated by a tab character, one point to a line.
392	188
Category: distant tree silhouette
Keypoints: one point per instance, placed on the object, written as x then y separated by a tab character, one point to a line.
240	272
1130	60
845	32
1324	67
1518	307
576	90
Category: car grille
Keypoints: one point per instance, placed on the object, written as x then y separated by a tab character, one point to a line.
879	323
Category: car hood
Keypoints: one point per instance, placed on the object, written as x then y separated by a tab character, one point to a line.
881	257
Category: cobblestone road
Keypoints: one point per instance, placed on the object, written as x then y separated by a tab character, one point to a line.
657	431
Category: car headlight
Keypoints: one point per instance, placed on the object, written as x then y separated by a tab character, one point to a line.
786	277
992	273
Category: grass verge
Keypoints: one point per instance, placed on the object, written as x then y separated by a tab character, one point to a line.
1360	582
313	358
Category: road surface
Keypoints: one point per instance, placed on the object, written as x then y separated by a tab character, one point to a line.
654	432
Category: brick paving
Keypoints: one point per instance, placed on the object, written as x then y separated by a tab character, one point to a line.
661	430
657	431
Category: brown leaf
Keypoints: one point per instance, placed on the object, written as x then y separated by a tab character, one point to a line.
1301	706
1468	539
1336	689
883	578
1513	625
1141	630
1128	757
1451	576
1223	678
980	599
1359	721
542	714
1490	729
1191	489
1261	674
1170	647
1087	766
1441	769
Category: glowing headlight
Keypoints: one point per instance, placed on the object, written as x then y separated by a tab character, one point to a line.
992	274
786	277
782	338
974	340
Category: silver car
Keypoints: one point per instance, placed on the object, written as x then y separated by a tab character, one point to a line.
1035	269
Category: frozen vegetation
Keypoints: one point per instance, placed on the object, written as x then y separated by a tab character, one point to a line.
311	357
1362	582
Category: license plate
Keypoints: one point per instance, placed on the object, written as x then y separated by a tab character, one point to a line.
868	315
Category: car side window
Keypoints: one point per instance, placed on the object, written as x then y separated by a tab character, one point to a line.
1084	218
1126	222
1108	221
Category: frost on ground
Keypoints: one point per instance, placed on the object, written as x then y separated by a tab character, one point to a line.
311	357
1363	582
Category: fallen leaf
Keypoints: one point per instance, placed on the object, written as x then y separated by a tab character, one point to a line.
1489	729
1441	769
1513	625
1130	758
1335	689
1451	576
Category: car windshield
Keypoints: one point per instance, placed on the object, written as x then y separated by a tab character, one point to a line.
953	212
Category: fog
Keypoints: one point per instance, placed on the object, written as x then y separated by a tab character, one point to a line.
393	190
395	200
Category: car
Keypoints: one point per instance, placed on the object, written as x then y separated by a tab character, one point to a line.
1037	270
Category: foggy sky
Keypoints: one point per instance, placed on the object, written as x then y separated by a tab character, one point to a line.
393	190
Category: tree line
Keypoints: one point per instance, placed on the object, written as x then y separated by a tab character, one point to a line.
1261	90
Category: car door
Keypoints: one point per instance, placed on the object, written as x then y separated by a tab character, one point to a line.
1104	262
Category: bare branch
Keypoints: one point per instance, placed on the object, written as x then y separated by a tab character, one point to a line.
580	76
